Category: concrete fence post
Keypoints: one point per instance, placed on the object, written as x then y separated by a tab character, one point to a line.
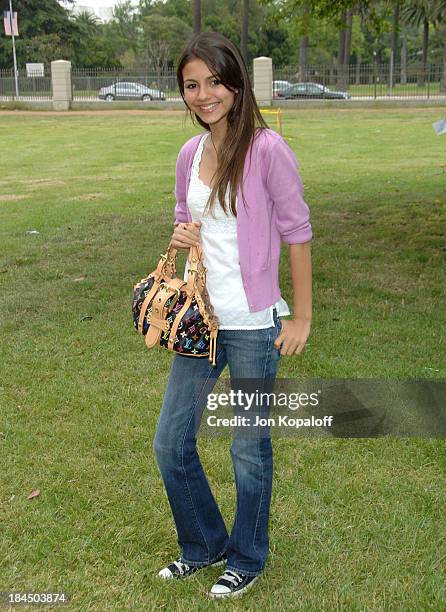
263	80
61	84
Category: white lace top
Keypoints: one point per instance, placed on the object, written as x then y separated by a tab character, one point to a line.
221	258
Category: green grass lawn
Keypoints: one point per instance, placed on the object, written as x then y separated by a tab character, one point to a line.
355	524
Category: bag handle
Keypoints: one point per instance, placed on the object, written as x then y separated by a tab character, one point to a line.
167	263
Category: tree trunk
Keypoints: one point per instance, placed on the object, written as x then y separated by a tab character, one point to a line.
358	70
443	76
422	74
245	22
403	79
347	49
197	16
341	51
303	44
395	28
348	37
332	72
303	58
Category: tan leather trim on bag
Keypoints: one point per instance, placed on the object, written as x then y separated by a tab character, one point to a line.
177	321
175	283
145	304
158	315
167	286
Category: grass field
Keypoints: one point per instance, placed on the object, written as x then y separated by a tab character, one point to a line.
355	524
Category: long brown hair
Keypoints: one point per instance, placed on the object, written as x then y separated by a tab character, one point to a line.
225	61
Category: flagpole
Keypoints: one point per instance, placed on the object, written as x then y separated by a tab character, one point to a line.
13	51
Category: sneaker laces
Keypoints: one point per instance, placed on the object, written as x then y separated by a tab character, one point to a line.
181	567
231	576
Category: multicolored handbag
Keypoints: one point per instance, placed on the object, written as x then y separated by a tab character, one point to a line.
177	314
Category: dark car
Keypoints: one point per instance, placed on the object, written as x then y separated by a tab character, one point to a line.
130	91
313	90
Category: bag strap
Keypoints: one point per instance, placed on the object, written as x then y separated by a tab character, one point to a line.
175	284
167	263
145	304
177	321
157	320
197	269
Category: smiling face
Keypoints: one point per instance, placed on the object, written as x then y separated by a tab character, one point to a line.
205	95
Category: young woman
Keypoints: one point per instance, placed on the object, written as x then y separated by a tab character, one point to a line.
238	194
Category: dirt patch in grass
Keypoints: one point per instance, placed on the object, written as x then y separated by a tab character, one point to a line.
11	197
86	197
45	183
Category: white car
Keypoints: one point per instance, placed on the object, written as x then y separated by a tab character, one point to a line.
129	91
279	87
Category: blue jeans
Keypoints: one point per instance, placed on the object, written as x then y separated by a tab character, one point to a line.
202	534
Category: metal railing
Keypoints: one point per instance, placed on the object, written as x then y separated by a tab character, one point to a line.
90	83
30	87
365	80
360	81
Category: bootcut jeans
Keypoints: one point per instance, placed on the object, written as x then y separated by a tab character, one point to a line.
202	534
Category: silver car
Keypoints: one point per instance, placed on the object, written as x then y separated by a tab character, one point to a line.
279	87
129	91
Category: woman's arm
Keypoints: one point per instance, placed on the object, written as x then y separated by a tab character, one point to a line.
300	264
181	210
292	217
295	331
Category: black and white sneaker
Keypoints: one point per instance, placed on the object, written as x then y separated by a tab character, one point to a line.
232	584
179	569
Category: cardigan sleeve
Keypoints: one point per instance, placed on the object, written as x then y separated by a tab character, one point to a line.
286	191
181	211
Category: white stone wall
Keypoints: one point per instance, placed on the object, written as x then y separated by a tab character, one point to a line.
61	83
263	80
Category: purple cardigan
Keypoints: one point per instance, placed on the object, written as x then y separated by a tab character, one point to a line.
274	210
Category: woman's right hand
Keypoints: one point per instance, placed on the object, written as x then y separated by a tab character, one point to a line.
186	235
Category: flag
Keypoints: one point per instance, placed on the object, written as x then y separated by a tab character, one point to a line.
11	28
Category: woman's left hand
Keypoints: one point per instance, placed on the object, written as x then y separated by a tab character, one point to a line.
293	336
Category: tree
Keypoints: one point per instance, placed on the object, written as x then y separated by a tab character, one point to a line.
245	28
197	16
87	23
303	45
420	12
46	32
124	33
43	48
439	18
93	49
344	49
126	23
395	29
164	40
